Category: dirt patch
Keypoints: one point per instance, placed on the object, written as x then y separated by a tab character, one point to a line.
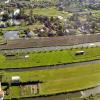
48	42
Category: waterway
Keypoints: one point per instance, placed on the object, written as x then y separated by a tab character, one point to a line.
67	96
50	67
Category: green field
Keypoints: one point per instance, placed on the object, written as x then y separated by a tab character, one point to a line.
51	11
96	13
61	80
48	58
23	27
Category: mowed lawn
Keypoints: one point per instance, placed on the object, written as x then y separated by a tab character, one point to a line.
61	80
49	58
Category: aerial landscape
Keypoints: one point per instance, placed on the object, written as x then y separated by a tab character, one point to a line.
49	49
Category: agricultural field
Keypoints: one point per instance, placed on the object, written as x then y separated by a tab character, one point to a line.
59	80
44	58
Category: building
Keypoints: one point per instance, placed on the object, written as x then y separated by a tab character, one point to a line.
1	93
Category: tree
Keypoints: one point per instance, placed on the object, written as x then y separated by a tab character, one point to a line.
22	12
5	17
93	26
31	12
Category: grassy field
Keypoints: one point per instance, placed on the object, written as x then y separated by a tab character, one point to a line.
48	58
61	80
23	27
51	11
96	13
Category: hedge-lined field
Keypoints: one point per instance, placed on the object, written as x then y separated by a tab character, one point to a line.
60	80
48	58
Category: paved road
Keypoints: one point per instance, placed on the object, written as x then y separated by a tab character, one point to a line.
51	67
53	48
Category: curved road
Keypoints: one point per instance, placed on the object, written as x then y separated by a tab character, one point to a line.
51	67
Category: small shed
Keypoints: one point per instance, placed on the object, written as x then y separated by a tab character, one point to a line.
15	79
92	45
79	53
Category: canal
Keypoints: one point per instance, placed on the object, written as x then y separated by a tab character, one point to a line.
67	96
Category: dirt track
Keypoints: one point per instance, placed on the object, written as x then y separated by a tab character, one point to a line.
48	42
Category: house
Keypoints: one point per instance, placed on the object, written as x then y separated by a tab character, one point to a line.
16	12
1	93
10	35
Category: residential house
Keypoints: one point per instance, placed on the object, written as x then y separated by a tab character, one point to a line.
1	93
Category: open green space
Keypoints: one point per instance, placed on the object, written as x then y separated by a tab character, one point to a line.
23	27
16	89
60	80
51	11
96	13
20	60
